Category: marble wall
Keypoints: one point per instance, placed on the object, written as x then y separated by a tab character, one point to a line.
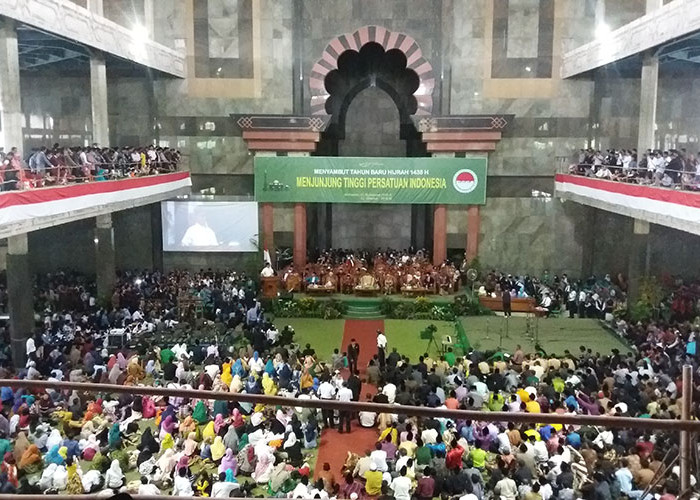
371	226
488	56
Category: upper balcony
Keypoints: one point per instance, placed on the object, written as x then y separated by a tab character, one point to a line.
671	207
33	209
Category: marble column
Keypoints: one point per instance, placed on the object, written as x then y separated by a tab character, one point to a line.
105	257
439	234
98	96
300	236
649	93
98	87
473	228
638	264
268	228
10	96
19	292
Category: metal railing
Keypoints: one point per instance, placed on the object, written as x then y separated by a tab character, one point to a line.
679	180
685	425
25	179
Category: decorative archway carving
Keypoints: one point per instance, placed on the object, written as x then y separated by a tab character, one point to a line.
389	41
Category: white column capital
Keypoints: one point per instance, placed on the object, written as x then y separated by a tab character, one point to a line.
103	221
18	245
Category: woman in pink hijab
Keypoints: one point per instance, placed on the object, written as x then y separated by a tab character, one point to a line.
121	361
218	423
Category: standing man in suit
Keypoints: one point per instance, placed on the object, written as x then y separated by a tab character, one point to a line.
506	302
353	356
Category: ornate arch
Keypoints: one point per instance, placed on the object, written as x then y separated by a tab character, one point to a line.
389	41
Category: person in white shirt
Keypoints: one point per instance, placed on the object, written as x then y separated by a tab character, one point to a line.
367	419
301	490
389	390
223	488
199	234
326	391
506	489
378	457
272	334
146	488
381	349
401	486
345	395
267	271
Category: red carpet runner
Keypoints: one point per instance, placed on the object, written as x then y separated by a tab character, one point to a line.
335	446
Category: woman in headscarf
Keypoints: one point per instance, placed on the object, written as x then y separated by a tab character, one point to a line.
265	463
256	364
220	408
188	425
9	467
31	462
90	447
134	369
114	438
190	446
114	477
54	439
146	463
231	439
238	422
226	374
121	361
151	368
53	456
168	426
167	442
21	445
149	407
218	449
236	384
292	447
74	484
229	462
169	411
148	442
208	432
47	477
166	463
200	413
219	423
114	374
183	463
269	387
252	386
237	368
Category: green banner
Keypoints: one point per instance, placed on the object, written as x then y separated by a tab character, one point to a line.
455	181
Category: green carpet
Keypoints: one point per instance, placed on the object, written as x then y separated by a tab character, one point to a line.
324	335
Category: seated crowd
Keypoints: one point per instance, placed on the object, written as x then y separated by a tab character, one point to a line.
672	168
79	442
383	270
60	165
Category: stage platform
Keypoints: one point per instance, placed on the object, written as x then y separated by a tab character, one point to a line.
354	299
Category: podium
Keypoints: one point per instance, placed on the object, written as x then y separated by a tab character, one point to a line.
269	287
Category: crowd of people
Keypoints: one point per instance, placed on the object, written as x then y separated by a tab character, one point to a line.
672	168
61	165
587	298
80	442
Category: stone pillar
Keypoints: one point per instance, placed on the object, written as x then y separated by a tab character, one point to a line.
98	95
98	87
104	259
10	96
19	292
473	228
638	264
649	92
149	17
439	234
300	236
268	228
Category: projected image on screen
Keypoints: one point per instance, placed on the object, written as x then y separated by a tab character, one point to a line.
201	226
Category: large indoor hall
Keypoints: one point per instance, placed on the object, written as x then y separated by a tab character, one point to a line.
350	249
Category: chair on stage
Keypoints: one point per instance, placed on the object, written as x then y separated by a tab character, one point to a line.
328	285
367	285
